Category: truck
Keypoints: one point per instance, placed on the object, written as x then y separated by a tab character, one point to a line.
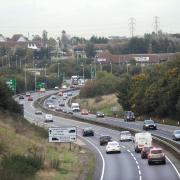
141	139
75	107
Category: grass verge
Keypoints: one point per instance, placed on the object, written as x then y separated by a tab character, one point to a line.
26	154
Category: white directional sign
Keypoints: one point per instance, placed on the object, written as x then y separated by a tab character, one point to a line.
63	134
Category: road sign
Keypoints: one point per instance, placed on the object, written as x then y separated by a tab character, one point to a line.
63	134
40	85
11	84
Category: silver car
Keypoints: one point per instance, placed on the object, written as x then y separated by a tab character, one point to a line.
176	135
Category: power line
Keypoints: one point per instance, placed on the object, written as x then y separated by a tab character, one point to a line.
132	24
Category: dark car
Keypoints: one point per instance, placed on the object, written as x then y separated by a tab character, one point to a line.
156	155
88	132
62	104
99	114
176	135
21	97
129	116
149	124
105	139
145	151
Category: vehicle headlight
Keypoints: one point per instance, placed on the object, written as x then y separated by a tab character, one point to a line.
128	117
146	125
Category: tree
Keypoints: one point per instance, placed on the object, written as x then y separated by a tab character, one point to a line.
90	50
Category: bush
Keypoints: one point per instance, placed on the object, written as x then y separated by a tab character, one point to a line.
15	167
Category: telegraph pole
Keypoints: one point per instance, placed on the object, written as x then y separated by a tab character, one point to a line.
132	24
156	24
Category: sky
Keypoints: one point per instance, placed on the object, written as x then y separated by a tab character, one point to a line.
85	18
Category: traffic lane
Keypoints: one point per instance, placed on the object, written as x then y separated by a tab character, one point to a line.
131	125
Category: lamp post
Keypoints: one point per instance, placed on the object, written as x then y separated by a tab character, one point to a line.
45	75
58	70
100	66
91	71
83	70
111	67
25	80
16	61
35	77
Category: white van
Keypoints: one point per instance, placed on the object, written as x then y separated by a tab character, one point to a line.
75	107
142	139
48	118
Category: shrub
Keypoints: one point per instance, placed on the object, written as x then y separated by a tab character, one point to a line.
20	167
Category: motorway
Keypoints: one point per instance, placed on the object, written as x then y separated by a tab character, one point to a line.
127	165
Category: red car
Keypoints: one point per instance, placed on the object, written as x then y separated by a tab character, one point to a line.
30	98
84	112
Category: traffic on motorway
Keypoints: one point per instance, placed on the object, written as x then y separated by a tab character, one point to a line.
136	152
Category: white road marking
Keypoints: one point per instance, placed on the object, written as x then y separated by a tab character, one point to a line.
102	174
173	167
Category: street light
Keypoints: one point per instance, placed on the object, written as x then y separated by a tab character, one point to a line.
83	70
111	67
16	61
58	70
45	75
91	71
25	80
35	77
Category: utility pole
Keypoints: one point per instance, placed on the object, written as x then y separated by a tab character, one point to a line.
35	77
132	24
111	67
58	70
25	78
156	24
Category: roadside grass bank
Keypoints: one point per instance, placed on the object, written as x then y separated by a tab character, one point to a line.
25	154
110	106
107	103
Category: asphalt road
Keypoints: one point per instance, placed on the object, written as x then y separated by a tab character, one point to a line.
127	165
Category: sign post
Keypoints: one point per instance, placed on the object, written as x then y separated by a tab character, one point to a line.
63	134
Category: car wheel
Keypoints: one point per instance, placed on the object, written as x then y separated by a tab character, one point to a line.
142	156
164	162
107	152
149	163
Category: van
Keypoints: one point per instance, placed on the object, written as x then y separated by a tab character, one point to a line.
75	107
48	118
142	139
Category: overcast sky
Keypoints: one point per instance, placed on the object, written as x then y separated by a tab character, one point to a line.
87	17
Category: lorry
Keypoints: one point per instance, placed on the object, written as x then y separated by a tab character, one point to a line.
75	107
141	139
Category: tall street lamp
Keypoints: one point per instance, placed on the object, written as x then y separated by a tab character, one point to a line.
58	70
111	67
35	77
25	78
16	61
45	75
83	70
91	71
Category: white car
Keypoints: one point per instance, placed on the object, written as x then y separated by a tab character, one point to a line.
125	136
48	118
51	106
113	146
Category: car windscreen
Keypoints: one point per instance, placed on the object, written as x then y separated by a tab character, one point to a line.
156	151
177	132
149	122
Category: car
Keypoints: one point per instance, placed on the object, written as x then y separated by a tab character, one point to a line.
38	112
21	97
145	151
69	93
69	111
99	114
51	106
176	135
60	93
56	88
48	118
104	139
88	132
125	136
156	155
113	146
149	124
28	94
64	110
30	98
53	97
129	116
84	112
58	109
62	103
